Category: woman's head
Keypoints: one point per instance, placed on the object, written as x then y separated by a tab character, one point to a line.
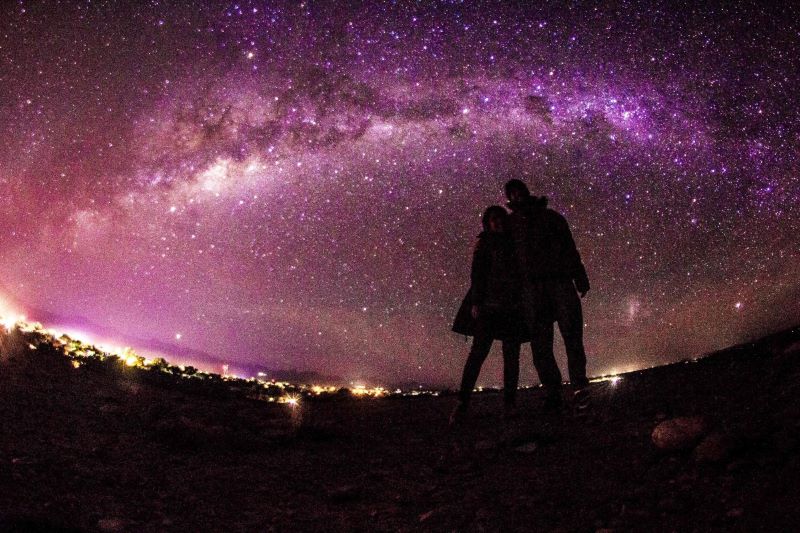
494	219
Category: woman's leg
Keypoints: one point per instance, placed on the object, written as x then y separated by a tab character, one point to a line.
510	372
481	345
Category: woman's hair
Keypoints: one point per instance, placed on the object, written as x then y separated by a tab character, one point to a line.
493	210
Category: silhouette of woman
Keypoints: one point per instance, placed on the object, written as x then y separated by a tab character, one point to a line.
492	309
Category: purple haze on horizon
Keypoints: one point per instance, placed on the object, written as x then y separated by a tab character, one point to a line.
299	185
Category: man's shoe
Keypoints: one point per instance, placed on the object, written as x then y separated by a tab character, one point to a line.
581	401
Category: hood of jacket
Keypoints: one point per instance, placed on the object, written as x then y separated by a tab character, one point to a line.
531	202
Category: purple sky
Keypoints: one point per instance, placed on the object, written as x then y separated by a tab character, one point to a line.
299	185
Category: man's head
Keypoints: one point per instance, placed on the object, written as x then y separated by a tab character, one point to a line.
516	191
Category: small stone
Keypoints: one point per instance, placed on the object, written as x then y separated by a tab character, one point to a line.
739	464
793	348
484	445
668	504
529	447
345	493
678	433
785	441
712	449
425	516
110	524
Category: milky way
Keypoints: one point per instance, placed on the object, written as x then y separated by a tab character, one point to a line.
289	185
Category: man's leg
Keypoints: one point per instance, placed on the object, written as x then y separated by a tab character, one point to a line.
544	360
537	317
569	315
510	372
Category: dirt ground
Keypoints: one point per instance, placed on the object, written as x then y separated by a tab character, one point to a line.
99	450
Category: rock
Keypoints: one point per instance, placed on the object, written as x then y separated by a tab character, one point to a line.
110	524
529	447
425	516
345	493
785	441
106	395
484	445
735	512
668	504
714	448
678	433
792	349
109	408
739	464
183	432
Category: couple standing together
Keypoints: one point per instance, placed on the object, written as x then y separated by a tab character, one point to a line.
526	276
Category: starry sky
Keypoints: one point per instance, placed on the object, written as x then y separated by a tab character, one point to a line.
299	185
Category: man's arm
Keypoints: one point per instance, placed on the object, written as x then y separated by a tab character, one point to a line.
572	257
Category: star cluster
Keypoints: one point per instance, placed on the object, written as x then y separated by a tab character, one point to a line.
299	185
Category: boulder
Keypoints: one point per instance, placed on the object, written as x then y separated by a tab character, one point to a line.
344	494
678	434
109	409
714	448
529	447
110	524
484	445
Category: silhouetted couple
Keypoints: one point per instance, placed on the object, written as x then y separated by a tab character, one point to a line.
526	276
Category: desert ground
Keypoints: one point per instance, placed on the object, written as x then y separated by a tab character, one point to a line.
107	449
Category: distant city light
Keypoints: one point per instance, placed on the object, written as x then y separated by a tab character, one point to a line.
75	346
613	379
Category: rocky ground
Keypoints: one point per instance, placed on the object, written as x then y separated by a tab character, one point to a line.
695	446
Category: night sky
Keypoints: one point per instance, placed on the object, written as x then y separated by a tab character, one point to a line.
299	185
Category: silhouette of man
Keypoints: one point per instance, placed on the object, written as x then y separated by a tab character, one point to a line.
552	271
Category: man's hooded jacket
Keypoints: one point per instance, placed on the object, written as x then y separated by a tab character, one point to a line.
544	244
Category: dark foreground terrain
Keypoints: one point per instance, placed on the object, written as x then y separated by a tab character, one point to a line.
93	449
